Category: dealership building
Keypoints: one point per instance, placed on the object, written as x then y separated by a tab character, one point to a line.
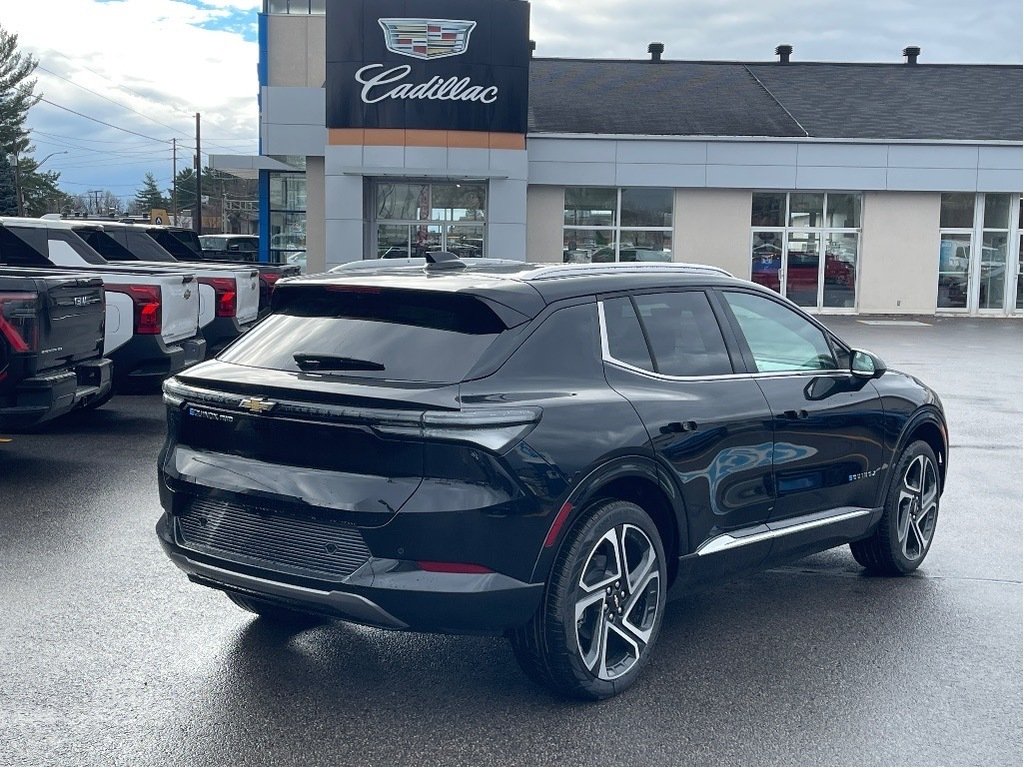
392	127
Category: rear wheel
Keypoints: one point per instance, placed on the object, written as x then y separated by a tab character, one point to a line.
905	532
603	606
274	613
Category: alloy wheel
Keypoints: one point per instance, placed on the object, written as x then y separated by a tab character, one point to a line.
617	601
917	507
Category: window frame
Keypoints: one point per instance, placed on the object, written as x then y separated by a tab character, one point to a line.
822	233
616	229
736	361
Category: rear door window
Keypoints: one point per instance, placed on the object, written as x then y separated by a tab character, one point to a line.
683	334
383	334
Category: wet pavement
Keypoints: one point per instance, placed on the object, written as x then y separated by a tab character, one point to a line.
108	655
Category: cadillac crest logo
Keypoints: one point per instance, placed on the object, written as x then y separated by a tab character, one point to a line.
426	38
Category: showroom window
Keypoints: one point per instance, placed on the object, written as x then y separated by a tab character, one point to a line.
805	245
605	224
288	211
296	7
413	217
979	252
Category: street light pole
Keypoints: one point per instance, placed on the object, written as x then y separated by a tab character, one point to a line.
19	193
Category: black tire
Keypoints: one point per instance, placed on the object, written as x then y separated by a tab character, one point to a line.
565	653
905	533
274	613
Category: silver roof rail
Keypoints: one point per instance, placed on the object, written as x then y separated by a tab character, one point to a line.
584	270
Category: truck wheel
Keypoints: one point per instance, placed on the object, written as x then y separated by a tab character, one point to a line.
603	606
905	532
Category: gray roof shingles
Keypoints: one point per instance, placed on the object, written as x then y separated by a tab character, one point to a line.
945	102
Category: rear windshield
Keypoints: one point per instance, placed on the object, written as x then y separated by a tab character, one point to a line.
393	335
105	245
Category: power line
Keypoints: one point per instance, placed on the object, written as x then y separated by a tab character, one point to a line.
106	98
103	122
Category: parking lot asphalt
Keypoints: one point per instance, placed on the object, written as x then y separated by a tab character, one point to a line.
109	656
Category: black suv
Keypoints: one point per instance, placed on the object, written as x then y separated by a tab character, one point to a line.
549	452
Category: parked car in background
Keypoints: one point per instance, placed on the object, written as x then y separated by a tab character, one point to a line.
51	345
545	452
230	247
229	296
151	328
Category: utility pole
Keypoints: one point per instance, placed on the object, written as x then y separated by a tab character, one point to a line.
174	182
197	224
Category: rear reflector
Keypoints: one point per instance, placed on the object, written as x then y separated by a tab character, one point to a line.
437	567
556	525
226	294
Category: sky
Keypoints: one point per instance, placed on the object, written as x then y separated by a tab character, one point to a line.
145	67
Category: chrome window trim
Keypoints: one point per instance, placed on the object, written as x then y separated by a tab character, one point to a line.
607	357
725	541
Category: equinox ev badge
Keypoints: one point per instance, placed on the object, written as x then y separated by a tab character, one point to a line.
426	38
257	404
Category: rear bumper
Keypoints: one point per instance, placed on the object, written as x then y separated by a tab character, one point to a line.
41	398
222	331
145	361
385	593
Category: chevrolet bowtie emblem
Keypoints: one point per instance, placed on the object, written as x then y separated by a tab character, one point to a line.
257	404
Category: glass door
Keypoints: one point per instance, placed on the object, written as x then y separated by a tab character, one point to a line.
414	217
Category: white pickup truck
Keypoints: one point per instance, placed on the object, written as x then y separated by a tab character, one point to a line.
152	315
229	295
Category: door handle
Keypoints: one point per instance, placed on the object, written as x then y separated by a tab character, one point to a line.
794	415
679	426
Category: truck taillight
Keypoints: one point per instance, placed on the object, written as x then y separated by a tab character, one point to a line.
269	280
19	324
225	295
148	305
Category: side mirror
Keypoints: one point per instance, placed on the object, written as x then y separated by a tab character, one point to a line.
866	365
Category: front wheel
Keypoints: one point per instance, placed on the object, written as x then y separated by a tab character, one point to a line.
905	532
603	606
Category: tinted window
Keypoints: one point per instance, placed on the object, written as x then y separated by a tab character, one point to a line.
105	245
22	248
625	337
68	249
397	335
779	338
684	334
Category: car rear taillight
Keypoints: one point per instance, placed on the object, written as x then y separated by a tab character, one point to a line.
148	305
226	294
19	320
270	278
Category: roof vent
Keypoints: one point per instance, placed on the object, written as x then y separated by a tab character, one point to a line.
533	46
784	51
656	49
912	52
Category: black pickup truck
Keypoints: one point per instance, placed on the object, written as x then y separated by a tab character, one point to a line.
51	341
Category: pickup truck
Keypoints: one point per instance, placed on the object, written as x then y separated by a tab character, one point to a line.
230	247
51	342
184	245
228	295
152	315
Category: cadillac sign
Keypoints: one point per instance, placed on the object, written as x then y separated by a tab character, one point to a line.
454	65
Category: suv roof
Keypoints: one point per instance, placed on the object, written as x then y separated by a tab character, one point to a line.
527	288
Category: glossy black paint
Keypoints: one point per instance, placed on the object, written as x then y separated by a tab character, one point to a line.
738	454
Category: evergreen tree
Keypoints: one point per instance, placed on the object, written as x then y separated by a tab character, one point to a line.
16	94
8	200
150	197
39	190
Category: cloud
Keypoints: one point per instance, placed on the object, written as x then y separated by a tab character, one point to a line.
167	59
